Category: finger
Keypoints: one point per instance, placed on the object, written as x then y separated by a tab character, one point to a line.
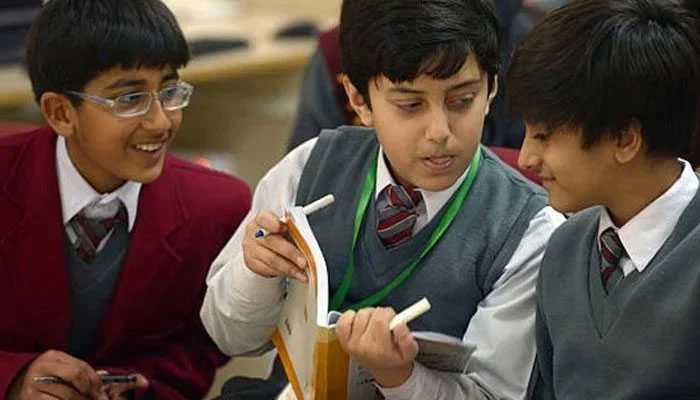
117	389
280	245
360	323
75	372
405	342
269	221
59	391
343	327
265	260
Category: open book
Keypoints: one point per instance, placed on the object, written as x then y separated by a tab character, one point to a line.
315	364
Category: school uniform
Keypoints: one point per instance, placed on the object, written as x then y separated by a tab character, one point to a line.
633	333
479	276
133	308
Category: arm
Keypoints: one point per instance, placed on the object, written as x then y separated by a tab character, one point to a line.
501	330
241	308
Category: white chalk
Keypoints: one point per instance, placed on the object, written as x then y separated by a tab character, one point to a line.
411	313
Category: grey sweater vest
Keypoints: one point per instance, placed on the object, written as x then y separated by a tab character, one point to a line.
91	288
642	341
461	268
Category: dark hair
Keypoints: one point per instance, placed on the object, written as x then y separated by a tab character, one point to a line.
404	39
599	65
73	41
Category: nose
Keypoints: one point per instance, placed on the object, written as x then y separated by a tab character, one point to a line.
439	126
528	159
156	119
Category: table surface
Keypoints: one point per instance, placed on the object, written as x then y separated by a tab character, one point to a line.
255	20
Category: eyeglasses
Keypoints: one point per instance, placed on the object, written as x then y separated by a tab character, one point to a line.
136	104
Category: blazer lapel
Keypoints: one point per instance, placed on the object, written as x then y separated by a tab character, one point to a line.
32	243
146	271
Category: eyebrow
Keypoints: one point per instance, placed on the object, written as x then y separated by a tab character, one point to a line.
462	85
121	83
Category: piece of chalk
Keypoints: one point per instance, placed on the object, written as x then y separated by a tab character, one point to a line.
410	313
318	204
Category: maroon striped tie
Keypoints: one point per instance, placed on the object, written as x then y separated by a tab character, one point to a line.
91	231
397	214
611	250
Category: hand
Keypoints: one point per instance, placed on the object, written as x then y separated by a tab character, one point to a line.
119	391
82	381
365	336
274	254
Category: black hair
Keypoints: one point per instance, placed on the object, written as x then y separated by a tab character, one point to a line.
600	65
404	39
73	41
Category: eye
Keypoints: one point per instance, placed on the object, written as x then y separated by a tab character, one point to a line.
409	106
131	98
169	93
541	136
462	101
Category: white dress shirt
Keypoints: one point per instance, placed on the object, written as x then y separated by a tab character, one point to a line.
644	234
241	308
77	194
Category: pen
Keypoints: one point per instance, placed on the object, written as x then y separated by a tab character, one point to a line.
107	378
411	313
308	209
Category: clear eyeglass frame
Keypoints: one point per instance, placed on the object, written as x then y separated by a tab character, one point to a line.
172	98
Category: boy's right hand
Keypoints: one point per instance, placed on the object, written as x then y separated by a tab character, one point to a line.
272	255
83	381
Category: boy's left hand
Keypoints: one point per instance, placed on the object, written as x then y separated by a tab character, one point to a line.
365	336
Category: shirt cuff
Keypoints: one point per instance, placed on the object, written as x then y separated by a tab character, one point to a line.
247	285
409	389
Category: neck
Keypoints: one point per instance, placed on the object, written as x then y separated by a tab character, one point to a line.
645	183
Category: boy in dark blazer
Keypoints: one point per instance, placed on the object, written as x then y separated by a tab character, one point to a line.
105	240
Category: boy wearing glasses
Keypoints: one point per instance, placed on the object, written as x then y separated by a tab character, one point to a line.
105	240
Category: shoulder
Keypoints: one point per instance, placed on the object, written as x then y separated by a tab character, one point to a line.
208	192
38	144
578	225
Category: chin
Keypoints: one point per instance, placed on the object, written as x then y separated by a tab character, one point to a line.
148	176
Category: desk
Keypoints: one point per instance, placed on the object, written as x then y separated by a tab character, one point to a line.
258	21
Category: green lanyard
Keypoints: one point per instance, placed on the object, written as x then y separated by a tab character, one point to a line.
444	223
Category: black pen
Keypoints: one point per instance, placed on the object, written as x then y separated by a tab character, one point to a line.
107	378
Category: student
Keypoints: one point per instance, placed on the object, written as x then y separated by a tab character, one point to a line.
609	91
421	74
105	240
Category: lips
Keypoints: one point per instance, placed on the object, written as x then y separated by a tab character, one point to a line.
438	163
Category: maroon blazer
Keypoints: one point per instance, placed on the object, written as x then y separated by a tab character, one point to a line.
151	324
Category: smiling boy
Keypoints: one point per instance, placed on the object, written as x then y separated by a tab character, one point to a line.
421	76
609	91
105	240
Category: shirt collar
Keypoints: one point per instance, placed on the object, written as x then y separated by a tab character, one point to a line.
644	234
76	193
433	201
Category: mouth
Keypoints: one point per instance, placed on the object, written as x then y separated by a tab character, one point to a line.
151	148
438	163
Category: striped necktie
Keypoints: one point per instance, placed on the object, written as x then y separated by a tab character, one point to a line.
89	232
397	214
611	250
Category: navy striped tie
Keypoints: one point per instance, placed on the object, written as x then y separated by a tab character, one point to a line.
611	250
397	214
89	232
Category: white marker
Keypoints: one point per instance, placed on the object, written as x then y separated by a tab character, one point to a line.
411	313
308	209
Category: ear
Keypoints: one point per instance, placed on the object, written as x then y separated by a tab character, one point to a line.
492	94
358	102
630	143
59	113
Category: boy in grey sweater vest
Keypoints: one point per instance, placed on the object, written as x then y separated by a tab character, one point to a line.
609	92
420	75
